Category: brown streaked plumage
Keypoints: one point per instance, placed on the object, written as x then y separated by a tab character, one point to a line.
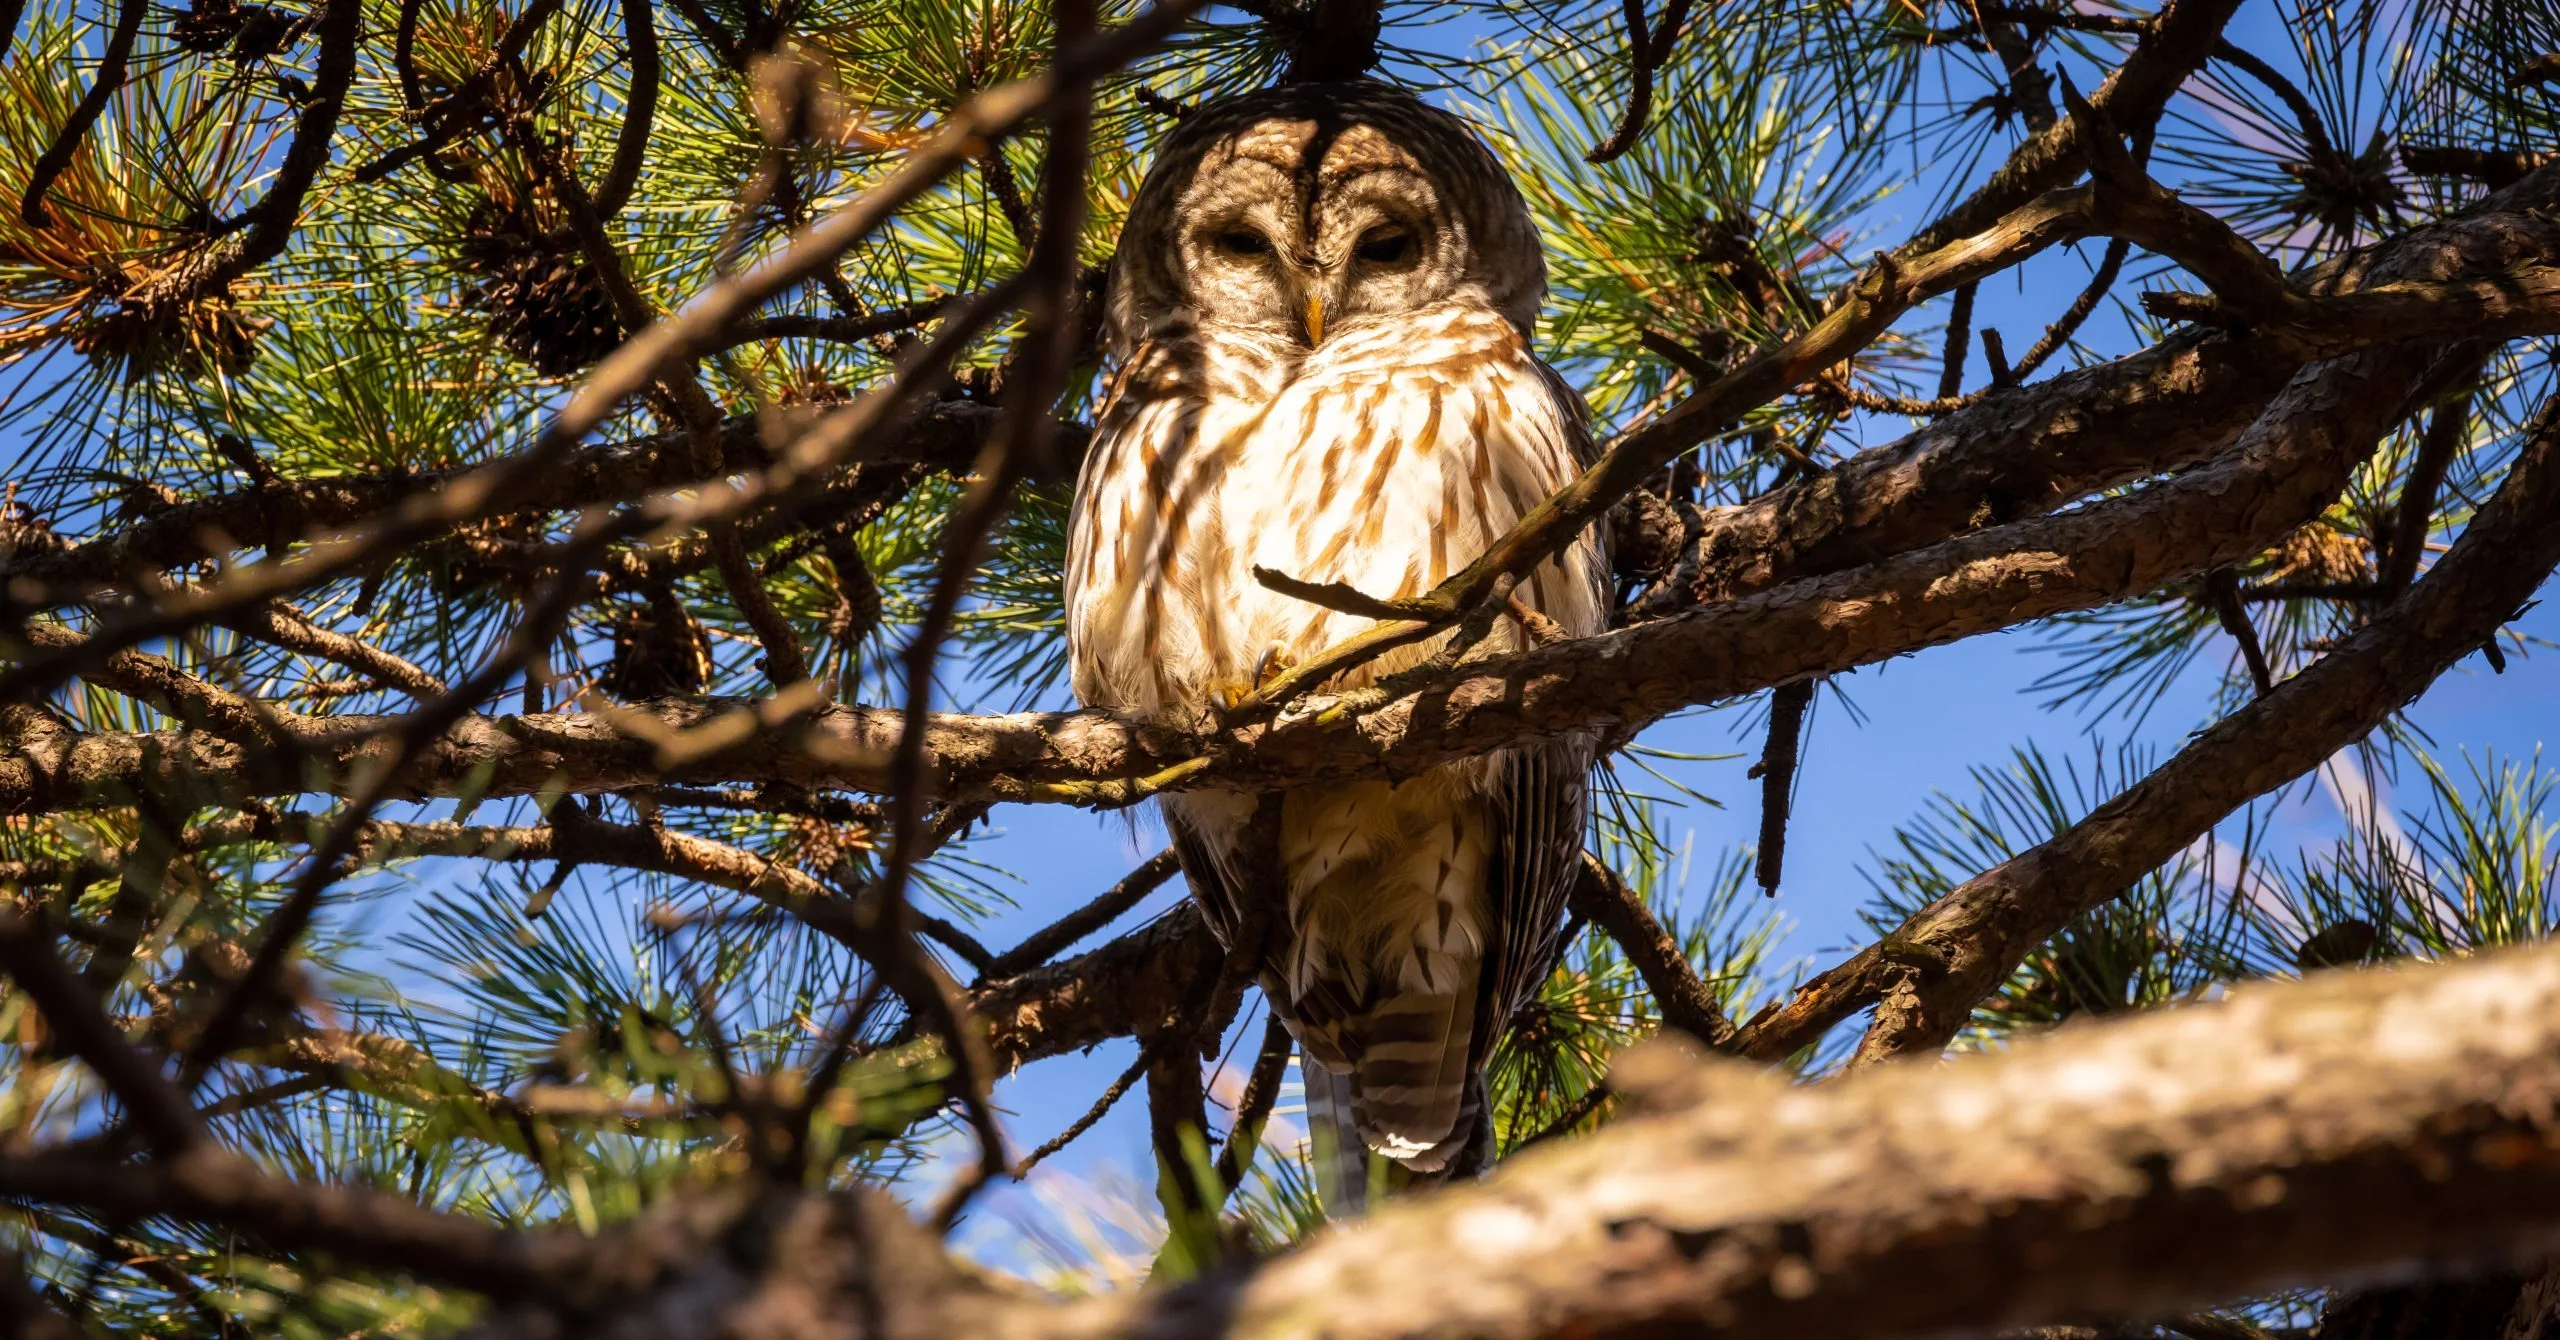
1321	306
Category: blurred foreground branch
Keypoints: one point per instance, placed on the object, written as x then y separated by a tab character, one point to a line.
2351	1128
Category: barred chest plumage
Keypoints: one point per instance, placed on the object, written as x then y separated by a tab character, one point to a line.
1387	457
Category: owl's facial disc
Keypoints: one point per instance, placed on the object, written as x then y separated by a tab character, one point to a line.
1298	214
1382	249
1237	249
1267	244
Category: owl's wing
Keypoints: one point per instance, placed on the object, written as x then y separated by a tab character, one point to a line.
1209	866
1541	804
1542	796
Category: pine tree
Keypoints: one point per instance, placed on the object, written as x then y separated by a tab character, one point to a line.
532	559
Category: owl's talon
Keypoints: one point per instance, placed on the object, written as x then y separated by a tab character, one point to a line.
1275	662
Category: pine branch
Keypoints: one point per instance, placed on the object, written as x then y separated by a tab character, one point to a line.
1686	1004
943	434
2293	461
1867	1219
113	64
263	231
1043	944
1648	50
68	1010
1929	973
2031	449
1777	773
1253	1107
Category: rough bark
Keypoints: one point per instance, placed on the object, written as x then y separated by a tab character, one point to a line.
2357	1129
1138	983
2359	1126
2293	459
1933	969
947	434
2027	450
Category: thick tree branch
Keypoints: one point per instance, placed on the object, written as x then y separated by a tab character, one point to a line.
944	434
2293	461
350	1223
2359	1127
158	681
2356	1127
1686	1003
2030	449
1138	983
1931	971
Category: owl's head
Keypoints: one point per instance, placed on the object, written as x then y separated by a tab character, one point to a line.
1302	211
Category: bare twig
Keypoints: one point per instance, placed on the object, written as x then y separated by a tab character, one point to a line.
1647	50
1111	1095
2438	447
285	927
1777	773
1950	954
2536	72
951	937
1686	1003
2060	332
464	109
784	663
113	63
1022	439
1043	944
264	229
1253	1106
2222	593
1959	339
839	329
639	111
1575	1113
74	1015
284	626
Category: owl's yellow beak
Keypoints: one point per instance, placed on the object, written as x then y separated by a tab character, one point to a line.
1315	320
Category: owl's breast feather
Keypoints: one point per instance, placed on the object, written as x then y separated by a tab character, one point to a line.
1393	457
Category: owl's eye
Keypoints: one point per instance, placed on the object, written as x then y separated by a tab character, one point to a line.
1243	242
1385	246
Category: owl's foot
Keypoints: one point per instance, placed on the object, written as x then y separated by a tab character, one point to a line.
1275	662
1230	694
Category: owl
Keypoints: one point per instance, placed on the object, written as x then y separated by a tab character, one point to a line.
1319	325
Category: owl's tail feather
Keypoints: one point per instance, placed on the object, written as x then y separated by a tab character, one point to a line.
1349	1174
1409	1075
1341	1156
1404	1096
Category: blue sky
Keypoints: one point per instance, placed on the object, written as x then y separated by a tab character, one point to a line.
1920	724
